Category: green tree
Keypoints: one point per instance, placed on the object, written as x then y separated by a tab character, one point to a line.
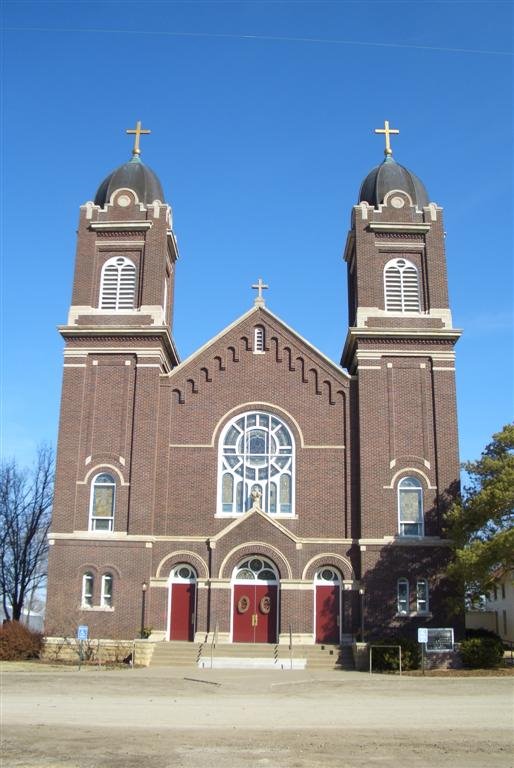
481	521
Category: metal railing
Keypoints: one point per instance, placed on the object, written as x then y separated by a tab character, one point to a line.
214	641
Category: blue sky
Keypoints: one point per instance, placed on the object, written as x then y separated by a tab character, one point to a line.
262	118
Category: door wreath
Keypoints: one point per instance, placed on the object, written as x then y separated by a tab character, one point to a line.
243	604
265	604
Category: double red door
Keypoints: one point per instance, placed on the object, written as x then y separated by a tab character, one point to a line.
182	611
328	613
255	613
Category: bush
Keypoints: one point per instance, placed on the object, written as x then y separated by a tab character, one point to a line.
482	633
387	659
481	652
18	642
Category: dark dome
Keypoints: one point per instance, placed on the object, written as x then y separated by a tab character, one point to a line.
390	175
134	175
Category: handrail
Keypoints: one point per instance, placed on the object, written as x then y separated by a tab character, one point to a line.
214	640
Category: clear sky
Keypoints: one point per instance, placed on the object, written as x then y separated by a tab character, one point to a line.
262	118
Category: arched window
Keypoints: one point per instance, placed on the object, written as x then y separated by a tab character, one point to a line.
103	494
258	339
422	596
106	594
88	582
401	286
410	507
403	599
256	453
118	284
255	568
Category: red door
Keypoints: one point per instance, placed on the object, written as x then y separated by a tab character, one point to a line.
182	615
327	613
255	613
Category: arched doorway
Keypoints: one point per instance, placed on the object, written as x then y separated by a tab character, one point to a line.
327	608
182	603
254	601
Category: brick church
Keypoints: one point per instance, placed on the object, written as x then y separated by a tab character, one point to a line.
256	489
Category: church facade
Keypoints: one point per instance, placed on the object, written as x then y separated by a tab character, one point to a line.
257	489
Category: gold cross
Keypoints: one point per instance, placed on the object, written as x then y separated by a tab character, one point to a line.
259	286
138	131
387	131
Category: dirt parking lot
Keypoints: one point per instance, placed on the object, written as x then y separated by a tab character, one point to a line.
174	718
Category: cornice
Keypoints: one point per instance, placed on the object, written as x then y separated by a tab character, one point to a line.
124	332
112	226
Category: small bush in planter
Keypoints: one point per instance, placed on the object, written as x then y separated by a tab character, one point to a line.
18	642
481	652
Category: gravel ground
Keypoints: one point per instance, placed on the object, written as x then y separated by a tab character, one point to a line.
175	718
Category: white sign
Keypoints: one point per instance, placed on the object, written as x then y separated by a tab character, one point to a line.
440	640
422	635
82	632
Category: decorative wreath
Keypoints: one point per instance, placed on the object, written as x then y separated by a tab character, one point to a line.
243	604
265	604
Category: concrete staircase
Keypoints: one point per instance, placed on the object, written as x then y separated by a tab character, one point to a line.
252	656
176	654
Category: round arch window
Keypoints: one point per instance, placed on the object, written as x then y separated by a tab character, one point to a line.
183	572
256	453
255	569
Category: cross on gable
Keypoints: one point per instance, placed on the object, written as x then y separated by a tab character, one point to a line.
259	286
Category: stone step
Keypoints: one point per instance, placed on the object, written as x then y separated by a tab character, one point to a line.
252	655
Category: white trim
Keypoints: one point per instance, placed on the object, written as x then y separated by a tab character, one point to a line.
105	576
384	226
97	469
421	508
329	555
183	553
405	472
109	226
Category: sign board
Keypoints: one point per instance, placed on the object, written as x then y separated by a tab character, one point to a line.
422	635
439	640
82	632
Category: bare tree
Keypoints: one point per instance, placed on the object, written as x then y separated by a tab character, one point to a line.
25	515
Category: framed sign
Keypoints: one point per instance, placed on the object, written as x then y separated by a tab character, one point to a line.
82	632
439	640
422	635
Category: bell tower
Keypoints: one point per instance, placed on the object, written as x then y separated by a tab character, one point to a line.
118	343
400	351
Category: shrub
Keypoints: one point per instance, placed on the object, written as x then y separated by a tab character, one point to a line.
18	642
481	652
387	659
482	633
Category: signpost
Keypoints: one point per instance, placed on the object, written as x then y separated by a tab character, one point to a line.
423	639
82	634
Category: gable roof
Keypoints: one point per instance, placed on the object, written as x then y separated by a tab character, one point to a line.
266	314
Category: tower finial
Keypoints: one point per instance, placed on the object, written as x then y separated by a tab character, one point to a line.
259	286
138	131
387	131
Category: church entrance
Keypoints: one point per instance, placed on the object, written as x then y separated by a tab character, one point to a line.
182	603
254	602
327	584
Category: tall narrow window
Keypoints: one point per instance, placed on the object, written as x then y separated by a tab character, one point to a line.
103	492
106	594
422	596
401	286
410	507
256	453
258	339
87	590
118	284
403	596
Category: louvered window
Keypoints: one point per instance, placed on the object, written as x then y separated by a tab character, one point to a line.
401	286
118	285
